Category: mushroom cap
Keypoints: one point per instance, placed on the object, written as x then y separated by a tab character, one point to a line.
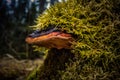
56	39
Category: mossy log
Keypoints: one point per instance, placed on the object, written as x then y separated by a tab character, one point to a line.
54	63
95	24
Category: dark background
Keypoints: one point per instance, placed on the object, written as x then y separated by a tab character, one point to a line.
15	18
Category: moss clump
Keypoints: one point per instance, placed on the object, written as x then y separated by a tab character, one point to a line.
95	25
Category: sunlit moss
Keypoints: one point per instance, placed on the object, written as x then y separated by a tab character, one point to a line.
95	26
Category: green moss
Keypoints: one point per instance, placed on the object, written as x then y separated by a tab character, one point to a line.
95	26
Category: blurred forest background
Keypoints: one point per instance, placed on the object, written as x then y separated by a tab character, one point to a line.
15	18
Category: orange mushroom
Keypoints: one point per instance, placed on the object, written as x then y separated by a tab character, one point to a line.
53	39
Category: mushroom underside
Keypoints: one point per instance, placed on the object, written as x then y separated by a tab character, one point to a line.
57	40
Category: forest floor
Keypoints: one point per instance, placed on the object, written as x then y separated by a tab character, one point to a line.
14	69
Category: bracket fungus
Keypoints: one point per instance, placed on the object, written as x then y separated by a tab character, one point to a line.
51	39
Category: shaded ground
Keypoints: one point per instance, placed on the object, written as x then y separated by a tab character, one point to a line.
13	69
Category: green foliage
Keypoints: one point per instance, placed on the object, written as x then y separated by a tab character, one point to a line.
95	27
33	74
